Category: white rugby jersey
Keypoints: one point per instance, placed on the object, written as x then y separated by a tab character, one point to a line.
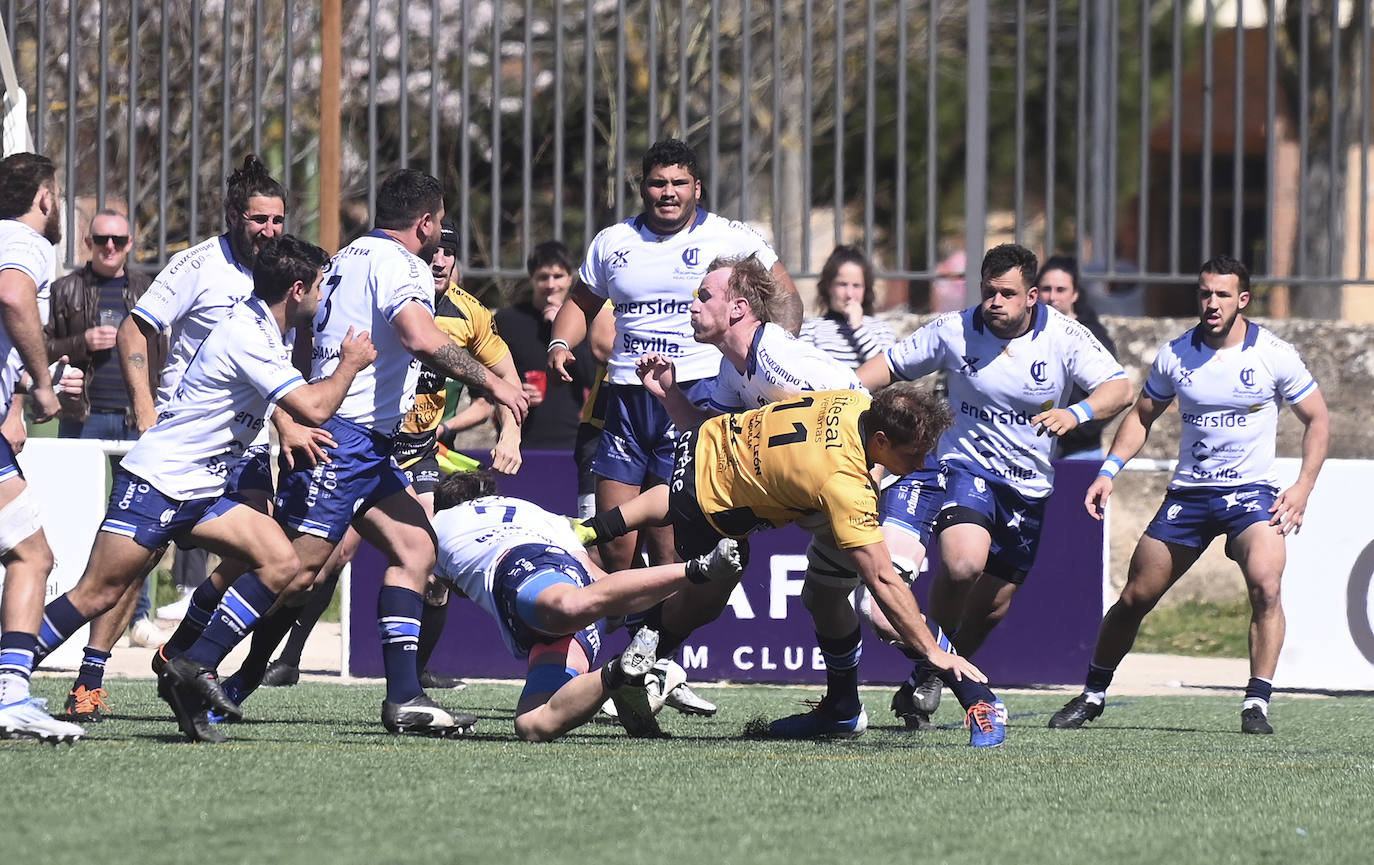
366	284
475	535
192	294
650	280
778	367
28	251
1228	403
997	385
220	406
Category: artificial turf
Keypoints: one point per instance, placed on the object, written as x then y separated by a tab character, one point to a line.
311	777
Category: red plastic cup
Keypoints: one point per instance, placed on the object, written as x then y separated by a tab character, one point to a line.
540	379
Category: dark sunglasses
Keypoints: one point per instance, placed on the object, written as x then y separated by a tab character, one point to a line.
264	218
119	240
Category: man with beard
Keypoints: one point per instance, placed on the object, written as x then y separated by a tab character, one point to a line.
470	325
189	298
29	228
1229	375
1010	363
649	266
385	276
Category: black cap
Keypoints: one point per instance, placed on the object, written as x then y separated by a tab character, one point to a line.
448	235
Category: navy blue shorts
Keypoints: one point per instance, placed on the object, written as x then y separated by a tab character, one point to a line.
9	466
253	471
912	503
637	440
522	574
137	510
1012	520
1194	517
324	500
424	474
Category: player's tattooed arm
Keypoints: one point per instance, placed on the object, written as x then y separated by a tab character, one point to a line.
415	326
458	364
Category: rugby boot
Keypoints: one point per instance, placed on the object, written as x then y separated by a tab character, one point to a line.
987	724
1254	720
27	719
421	716
822	722
1075	713
86	706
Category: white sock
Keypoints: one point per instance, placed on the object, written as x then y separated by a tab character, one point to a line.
1098	697
1256	702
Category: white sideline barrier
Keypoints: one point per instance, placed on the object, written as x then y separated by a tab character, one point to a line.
68	478
1327	594
1328	599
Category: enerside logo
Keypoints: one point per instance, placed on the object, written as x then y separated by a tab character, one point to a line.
691	257
1185	376
1038	371
619	258
970	366
1247	376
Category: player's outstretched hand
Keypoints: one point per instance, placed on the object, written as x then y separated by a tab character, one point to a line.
961	667
1288	509
1056	422
510	396
357	350
1096	498
658	374
560	359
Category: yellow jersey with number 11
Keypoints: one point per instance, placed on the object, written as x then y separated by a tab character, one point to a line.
788	460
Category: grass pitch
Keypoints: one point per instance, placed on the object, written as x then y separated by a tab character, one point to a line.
311	777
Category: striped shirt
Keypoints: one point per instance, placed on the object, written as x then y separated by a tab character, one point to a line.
850	346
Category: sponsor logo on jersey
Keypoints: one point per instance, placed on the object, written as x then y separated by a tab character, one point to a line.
664	306
970	365
619	259
1014	417
1185	377
1214	420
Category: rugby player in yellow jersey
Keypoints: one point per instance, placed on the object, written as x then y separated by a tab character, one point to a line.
807	461
471	326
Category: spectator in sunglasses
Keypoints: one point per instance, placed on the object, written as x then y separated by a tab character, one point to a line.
87	306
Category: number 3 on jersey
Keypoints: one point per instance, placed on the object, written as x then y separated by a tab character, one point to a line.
327	305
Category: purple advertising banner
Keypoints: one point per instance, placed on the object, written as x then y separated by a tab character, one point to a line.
765	634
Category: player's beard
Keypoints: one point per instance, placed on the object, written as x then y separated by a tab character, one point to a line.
52	228
242	243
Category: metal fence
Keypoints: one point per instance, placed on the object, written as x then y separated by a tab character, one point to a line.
1140	136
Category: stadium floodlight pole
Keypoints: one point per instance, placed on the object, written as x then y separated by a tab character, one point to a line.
976	142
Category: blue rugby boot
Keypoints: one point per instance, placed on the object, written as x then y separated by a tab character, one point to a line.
822	722
987	724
